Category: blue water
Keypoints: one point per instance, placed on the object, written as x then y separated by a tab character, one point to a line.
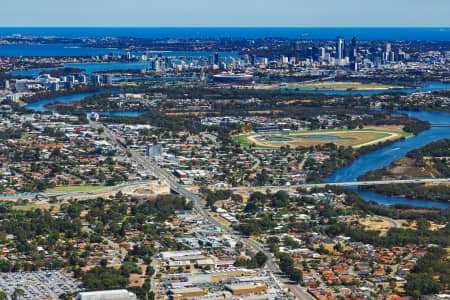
278	139
135	78
91	67
105	66
40	105
386	200
54	50
74	50
273	138
383	157
122	113
371	161
425	34
321	137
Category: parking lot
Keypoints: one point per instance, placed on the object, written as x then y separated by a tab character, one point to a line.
39	285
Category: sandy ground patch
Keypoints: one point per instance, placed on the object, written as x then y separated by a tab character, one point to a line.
392	135
386	127
382	224
152	187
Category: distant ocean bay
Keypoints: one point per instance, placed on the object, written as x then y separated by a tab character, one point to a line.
365	33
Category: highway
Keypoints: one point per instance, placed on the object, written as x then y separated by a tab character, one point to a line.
162	174
169	178
344	184
172	181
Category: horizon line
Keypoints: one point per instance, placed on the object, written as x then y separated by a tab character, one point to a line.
224	26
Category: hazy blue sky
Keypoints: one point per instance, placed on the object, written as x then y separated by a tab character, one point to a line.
225	13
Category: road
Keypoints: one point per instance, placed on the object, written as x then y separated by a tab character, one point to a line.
173	182
302	163
297	290
197	202
344	184
393	222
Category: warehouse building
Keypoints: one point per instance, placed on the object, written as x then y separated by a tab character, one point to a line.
107	295
246	288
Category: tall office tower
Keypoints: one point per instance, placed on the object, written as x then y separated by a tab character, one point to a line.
217	58
96	79
107	79
297	50
157	65
340	48
6	84
353	49
387	52
388	47
322	53
253	59
401	55
211	60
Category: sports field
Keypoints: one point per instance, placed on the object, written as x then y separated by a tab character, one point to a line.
342	86
74	188
342	137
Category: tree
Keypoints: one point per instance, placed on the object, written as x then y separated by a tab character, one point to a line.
295	275
286	261
422	284
3	295
17	294
104	262
104	278
239	245
150	271
261	258
423	224
65	296
338	247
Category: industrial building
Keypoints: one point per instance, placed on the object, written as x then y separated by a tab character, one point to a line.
246	288
107	295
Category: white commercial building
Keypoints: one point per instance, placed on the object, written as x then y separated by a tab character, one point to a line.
173	254
107	295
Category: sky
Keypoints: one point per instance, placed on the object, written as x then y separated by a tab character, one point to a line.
212	13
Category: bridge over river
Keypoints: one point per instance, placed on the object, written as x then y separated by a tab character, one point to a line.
440	125
345	184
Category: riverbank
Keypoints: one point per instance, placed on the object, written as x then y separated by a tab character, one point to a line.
430	161
383	157
375	158
414	191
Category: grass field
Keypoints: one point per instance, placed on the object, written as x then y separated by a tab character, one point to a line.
39	205
342	137
342	86
25	136
74	188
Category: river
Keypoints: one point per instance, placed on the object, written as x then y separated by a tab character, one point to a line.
92	67
383	157
40	105
370	161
